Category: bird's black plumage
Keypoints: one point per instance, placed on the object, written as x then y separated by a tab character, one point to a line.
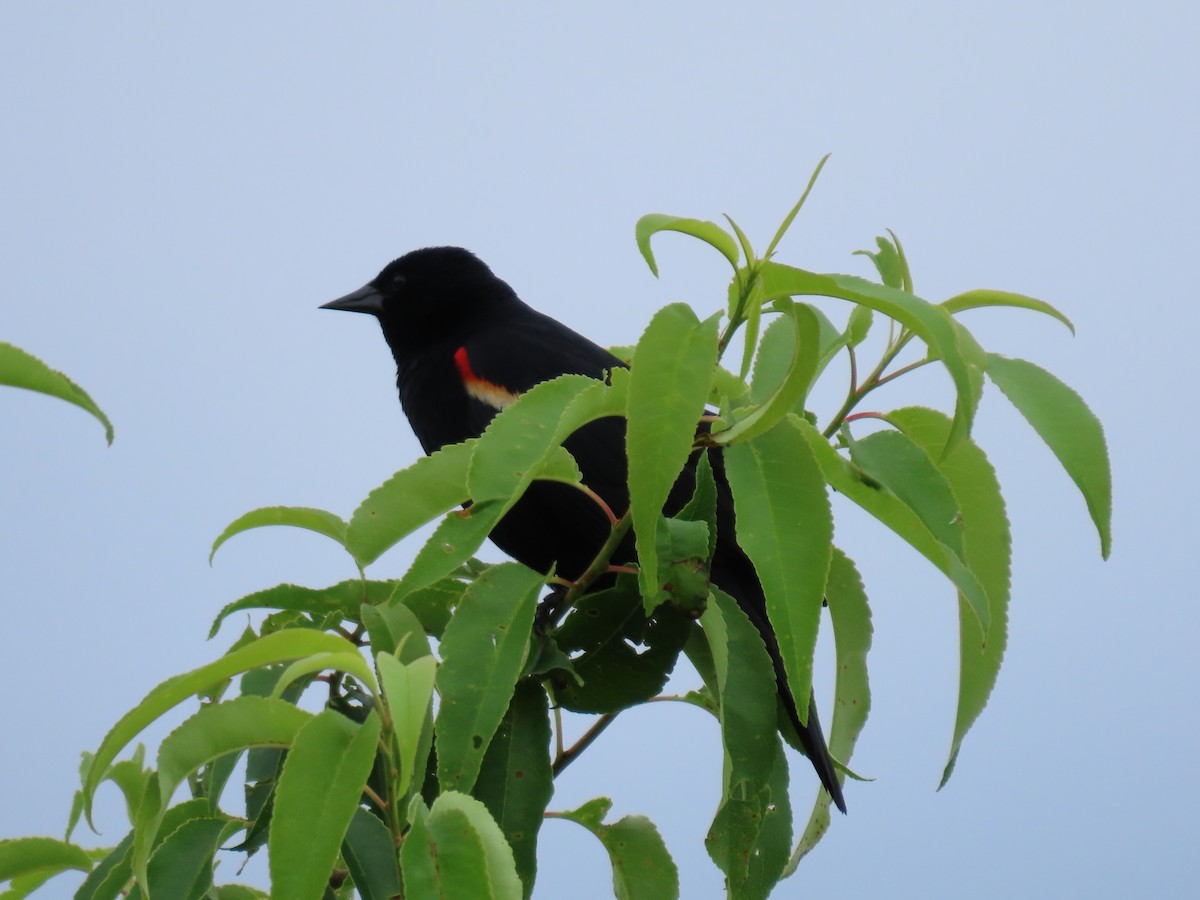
465	346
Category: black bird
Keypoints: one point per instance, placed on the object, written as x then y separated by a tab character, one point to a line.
465	347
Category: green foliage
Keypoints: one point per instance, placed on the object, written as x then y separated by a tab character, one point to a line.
642	867
785	525
751	835
23	370
318	793
483	652
430	768
1068	427
851	618
667	391
456	849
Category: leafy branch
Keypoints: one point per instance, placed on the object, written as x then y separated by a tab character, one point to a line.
354	798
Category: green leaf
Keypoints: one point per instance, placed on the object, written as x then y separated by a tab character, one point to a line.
349	661
509	453
980	298
23	370
642	867
885	506
395	629
986	549
785	525
409	693
213	732
456	850
702	506
668	387
273	648
756	831
851	617
211	780
887	262
590	815
428	488
778	347
746	688
858	326
1069	428
962	358
748	714
130	776
743	241
622	657
305	517
747	305
318	793
483	652
24	885
260	798
682	548
370	855
182	865
515	780
432	604
905	273
25	856
907	470
795	384
237	892
344	599
108	879
787	220
559	465
454	541
222	728
152	827
699	654
775	357
419	869
728	390
709	232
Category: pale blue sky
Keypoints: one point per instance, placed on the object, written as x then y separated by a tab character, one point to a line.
182	187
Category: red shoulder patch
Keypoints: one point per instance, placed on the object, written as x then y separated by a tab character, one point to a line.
494	395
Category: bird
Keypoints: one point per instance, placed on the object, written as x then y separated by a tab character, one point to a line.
466	346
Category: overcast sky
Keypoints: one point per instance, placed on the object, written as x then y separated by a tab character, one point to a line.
182	187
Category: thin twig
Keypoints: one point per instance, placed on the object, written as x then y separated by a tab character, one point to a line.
598	500
375	798
855	395
569	756
902	370
598	567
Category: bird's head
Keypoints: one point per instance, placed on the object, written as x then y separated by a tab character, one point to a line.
428	295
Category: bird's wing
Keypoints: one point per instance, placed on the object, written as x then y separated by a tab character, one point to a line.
506	360
518	355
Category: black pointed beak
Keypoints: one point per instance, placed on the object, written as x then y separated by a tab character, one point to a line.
365	300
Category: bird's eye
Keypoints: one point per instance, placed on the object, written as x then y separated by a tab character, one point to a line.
397	282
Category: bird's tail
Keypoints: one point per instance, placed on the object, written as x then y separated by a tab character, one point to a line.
748	593
812	738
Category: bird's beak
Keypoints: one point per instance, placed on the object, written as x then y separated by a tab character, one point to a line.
365	300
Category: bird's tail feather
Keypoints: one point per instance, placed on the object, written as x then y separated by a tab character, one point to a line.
745	589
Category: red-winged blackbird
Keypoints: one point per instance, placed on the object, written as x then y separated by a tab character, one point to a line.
465	347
